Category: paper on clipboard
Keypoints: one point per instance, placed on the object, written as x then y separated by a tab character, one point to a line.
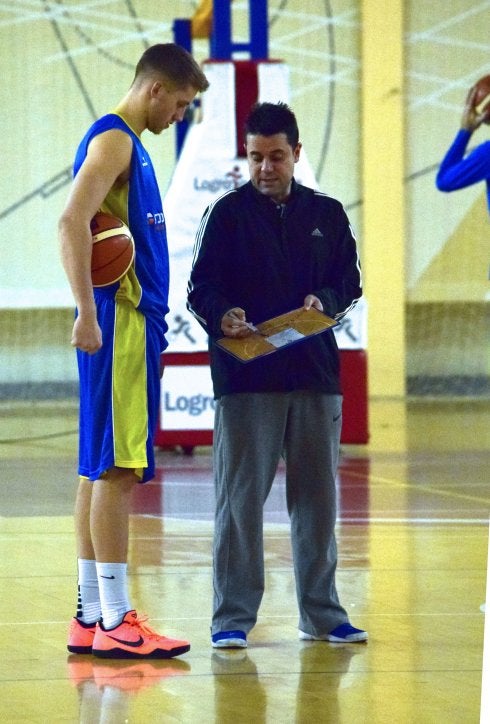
278	332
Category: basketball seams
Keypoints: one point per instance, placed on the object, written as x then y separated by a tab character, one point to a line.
107	233
113	249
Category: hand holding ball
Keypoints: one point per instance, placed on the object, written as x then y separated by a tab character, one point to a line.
481	96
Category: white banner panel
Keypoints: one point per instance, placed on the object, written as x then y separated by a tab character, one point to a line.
187	398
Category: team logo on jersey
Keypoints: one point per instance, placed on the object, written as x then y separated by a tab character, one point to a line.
157	219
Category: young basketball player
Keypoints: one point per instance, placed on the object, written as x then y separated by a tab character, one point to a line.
119	333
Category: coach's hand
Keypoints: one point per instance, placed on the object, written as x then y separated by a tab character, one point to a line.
234	324
312	301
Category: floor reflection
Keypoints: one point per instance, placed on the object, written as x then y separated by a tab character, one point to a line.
105	687
185	491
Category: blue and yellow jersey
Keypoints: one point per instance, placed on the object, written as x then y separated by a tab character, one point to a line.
139	205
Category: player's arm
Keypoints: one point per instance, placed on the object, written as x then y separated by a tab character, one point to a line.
458	170
106	165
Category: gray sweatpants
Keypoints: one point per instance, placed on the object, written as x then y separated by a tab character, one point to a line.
252	432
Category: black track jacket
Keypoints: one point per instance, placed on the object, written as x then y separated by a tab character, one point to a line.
252	253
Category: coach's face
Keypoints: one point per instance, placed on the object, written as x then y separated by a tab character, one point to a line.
271	164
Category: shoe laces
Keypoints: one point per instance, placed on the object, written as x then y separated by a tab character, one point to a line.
140	622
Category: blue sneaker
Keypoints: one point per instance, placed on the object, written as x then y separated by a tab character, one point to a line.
343	634
229	640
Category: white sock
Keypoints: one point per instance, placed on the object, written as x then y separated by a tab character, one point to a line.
113	588
88	609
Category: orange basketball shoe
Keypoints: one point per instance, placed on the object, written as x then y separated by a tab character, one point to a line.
80	637
134	639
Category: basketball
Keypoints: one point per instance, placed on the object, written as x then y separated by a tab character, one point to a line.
481	101
112	249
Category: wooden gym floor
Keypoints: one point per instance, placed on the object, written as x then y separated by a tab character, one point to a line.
412	534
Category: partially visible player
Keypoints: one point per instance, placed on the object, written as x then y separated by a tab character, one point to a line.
459	168
119	333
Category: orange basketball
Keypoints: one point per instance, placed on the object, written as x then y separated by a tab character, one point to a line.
481	101
112	249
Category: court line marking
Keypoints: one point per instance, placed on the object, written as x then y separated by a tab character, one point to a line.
364	520
485	680
263	617
416	521
268	525
420	488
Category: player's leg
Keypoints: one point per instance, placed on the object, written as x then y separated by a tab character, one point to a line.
85	549
109	514
109	527
124	397
82	625
95	456
135	392
102	530
121	633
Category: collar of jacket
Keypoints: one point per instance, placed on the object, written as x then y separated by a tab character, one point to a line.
266	200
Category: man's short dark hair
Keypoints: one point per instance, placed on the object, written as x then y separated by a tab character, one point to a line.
175	63
267	119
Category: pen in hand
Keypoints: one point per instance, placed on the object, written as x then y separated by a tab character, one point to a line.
238	315
251	326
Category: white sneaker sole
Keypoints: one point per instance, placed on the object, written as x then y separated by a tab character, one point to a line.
352	639
230	644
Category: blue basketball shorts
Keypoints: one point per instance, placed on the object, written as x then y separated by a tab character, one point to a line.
120	392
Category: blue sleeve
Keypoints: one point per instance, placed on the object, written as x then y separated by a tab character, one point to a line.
457	171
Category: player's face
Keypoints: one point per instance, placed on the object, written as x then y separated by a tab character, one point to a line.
168	106
271	164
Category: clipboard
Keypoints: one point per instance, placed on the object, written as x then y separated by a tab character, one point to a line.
277	333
